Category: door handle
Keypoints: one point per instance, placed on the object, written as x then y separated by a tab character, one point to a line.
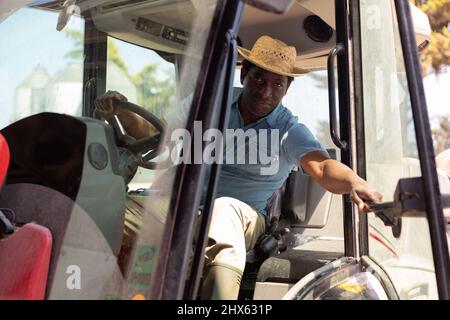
339	49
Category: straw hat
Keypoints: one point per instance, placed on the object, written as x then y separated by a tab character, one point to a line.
274	56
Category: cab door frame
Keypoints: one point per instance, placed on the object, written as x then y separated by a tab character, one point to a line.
171	271
346	122
431	196
424	141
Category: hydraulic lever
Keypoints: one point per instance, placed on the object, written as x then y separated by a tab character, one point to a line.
408	198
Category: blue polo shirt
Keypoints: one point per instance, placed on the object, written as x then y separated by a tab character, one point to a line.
277	142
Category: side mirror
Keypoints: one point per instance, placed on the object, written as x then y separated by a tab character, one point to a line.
279	6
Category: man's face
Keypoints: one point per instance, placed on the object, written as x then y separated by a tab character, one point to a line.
263	90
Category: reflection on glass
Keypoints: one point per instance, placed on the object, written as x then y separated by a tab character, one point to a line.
147	80
307	98
107	231
362	286
391	152
48	80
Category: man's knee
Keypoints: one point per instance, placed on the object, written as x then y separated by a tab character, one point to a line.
225	208
224	203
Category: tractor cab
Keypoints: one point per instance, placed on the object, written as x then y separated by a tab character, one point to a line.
114	216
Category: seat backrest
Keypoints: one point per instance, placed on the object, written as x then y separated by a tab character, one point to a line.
24	263
62	158
76	238
307	204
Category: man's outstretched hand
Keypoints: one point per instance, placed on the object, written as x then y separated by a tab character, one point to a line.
363	195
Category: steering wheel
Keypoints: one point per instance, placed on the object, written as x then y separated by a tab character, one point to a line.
144	149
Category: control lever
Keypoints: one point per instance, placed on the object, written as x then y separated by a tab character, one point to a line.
389	215
408	197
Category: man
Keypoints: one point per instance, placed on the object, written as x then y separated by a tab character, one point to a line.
238	217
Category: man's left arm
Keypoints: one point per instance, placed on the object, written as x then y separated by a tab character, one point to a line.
338	178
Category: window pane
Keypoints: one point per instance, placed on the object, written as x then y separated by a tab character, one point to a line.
48	80
391	152
103	202
307	98
147	80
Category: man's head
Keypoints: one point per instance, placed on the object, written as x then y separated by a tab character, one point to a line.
266	74
263	90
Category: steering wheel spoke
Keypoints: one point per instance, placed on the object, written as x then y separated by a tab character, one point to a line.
144	144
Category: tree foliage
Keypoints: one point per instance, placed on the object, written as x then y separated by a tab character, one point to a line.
438	11
437	55
155	87
156	91
77	37
114	55
78	49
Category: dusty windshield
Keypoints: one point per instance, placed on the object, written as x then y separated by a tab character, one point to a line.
96	196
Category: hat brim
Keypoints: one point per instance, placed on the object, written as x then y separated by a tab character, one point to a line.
246	54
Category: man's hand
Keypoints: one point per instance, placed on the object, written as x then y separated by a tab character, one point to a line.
134	125
104	105
362	195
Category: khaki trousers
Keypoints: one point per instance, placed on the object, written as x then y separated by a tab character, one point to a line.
234	229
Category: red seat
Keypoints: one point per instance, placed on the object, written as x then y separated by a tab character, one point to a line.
25	255
4	159
24	263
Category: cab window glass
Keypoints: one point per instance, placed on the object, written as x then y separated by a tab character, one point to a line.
41	69
403	248
146	79
104	203
307	98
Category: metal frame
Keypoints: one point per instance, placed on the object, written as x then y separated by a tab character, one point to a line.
359	118
385	281
171	271
435	216
198	259
94	73
343	34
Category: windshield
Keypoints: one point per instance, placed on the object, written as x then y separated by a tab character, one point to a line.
106	214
